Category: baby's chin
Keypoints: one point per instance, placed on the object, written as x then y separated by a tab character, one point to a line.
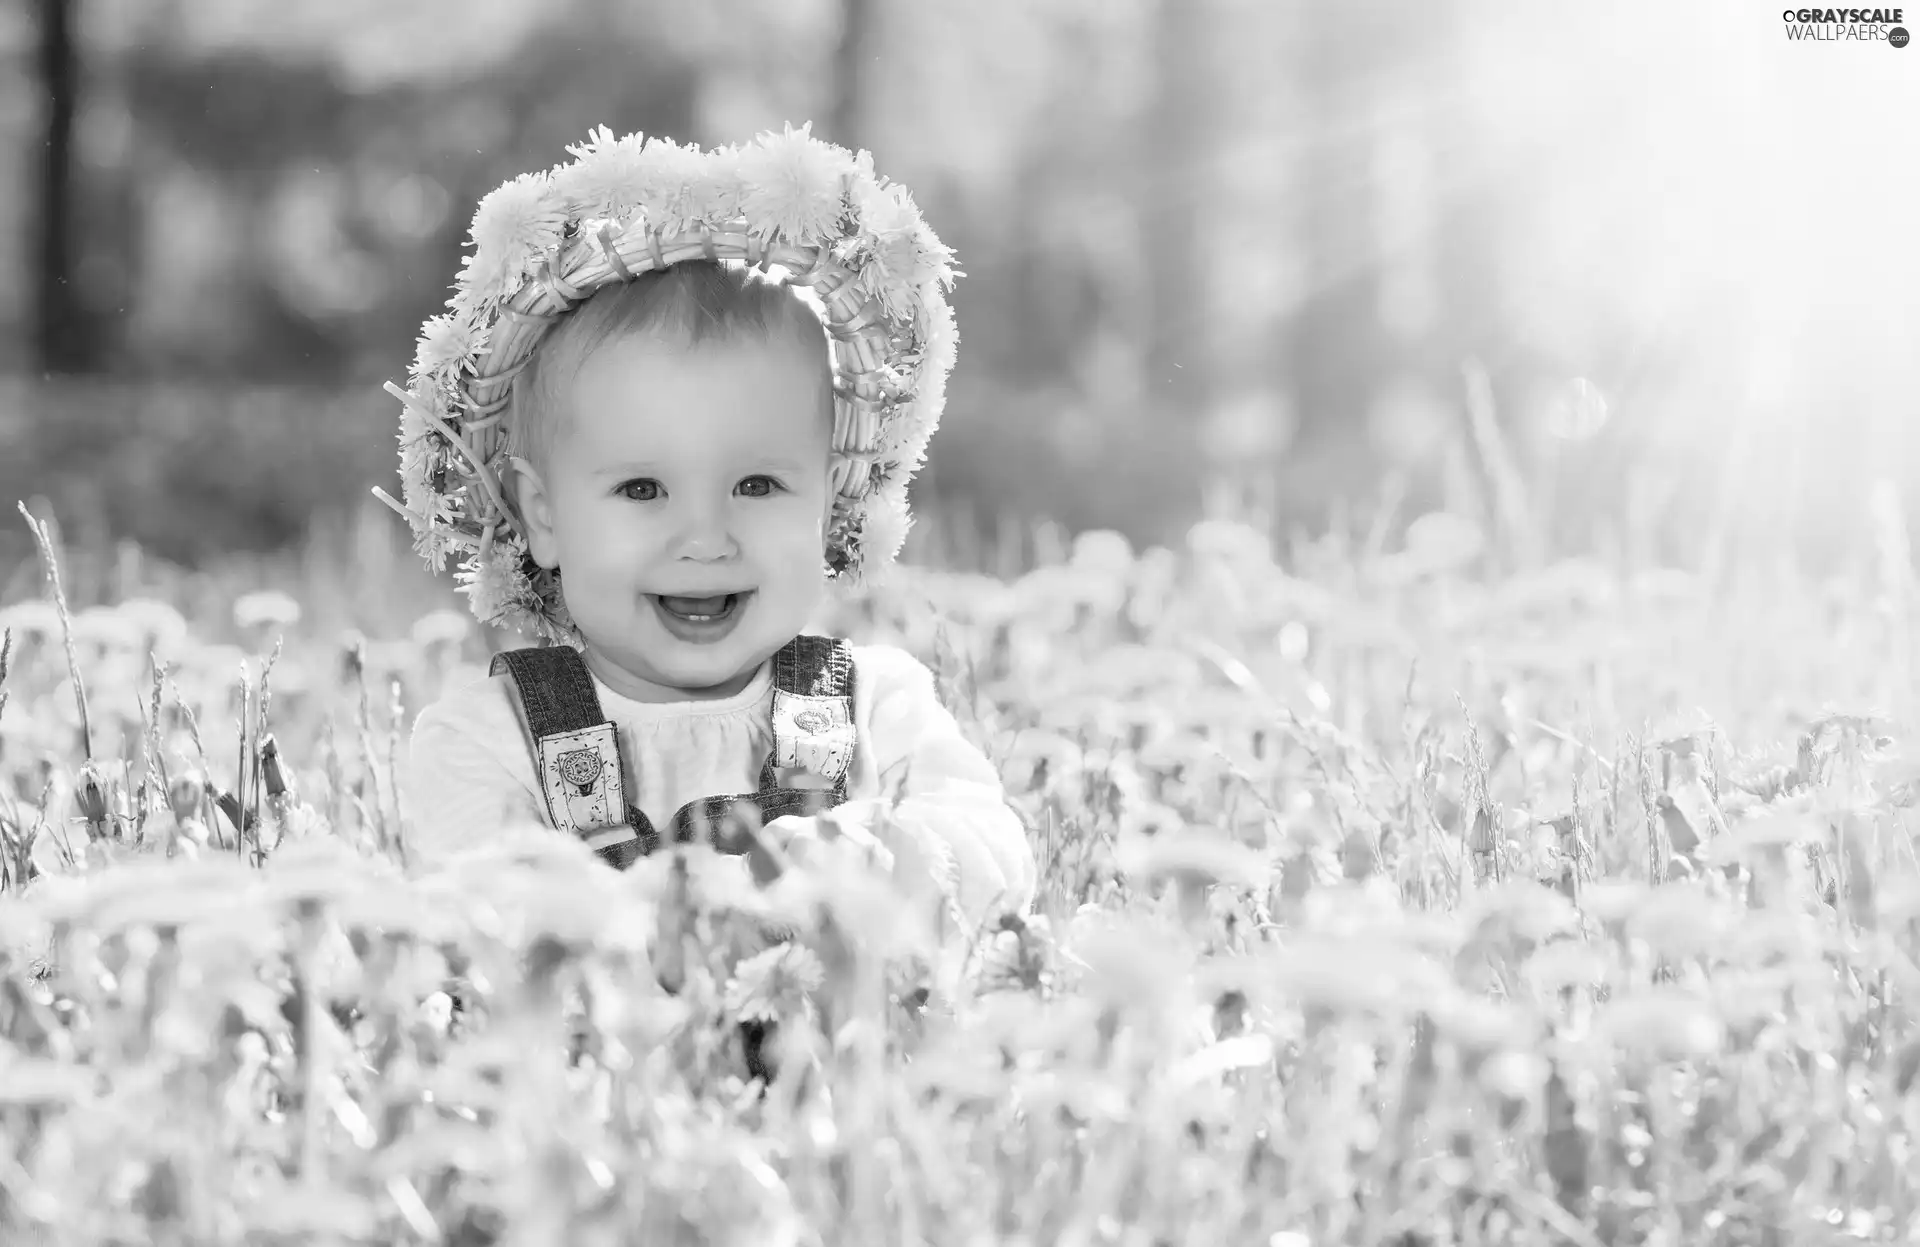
680	669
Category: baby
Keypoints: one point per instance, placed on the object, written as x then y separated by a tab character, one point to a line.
674	472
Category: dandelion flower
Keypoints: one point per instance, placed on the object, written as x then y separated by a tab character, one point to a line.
714	197
1515	1075
1439	542
35	619
606	178
1681	922
161	627
432	524
939	336
1104	551
1221	1058
793	186
448	344
1199	859
1482	1026
498	587
106	628
903	441
927	386
903	255
1524	910
1662	1023
513	226
884	529
441	627
415	452
774	983
1134	963
1229	542
1565	964
541	614
265	608
662	176
186	794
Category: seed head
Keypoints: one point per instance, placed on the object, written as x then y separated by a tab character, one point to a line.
272	772
185	794
91	796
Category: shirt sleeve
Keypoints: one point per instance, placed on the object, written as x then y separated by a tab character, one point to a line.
948	791
458	791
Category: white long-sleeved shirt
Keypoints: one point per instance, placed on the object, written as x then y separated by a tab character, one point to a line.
471	772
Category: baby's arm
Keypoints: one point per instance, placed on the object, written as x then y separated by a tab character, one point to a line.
458	790
948	791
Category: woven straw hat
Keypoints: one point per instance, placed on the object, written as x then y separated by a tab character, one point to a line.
545	242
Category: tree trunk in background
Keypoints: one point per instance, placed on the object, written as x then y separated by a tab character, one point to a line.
1473	198
850	56
1368	310
61	342
1335	343
1174	166
1254	274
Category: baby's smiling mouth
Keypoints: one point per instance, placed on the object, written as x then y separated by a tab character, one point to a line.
706	609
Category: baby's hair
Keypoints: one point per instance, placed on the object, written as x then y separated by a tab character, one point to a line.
688	304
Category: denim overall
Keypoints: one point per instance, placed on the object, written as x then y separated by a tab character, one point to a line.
576	757
576	752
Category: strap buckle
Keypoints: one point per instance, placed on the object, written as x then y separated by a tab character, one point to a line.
580	774
814	734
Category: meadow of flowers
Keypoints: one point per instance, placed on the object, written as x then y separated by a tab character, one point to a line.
1384	902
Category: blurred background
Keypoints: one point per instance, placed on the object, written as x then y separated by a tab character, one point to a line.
1629	279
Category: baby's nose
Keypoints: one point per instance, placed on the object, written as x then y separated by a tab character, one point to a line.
706	550
705	535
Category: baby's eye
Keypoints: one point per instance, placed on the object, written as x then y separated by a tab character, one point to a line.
639	491
759	486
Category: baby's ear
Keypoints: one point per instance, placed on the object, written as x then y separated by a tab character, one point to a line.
529	493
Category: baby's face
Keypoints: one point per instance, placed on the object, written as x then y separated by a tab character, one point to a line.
686	500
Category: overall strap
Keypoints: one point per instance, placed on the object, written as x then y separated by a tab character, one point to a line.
813	730
814	666
577	755
576	752
556	691
813	726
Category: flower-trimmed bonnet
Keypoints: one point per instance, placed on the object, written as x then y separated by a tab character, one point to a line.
545	242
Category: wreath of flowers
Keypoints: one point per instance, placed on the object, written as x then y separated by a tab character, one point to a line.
545	242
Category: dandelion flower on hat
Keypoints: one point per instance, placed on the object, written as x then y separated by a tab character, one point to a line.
433	540
904	254
605	178
664	177
884	530
495	583
414	450
448	345
513	226
715	196
911	432
792	186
